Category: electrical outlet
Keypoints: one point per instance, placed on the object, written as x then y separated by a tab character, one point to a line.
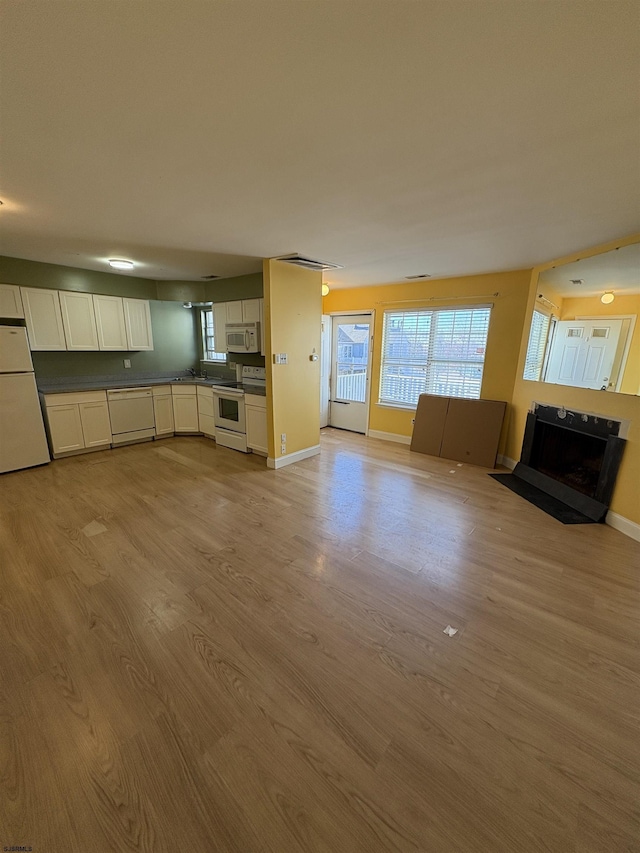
280	358
283	437
283	448
127	362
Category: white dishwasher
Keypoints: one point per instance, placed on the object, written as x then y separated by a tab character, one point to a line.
131	415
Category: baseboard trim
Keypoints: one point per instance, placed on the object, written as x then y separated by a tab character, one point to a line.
507	461
624	525
389	436
290	458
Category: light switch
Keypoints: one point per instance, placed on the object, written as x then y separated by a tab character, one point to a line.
127	362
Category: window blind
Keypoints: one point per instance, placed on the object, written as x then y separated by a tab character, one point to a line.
433	351
537	342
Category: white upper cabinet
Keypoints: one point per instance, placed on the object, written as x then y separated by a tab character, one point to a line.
137	320
234	312
44	319
219	326
79	320
109	312
251	310
10	302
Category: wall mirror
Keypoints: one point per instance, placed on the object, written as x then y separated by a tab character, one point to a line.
585	329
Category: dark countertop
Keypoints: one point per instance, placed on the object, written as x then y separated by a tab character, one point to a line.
104	385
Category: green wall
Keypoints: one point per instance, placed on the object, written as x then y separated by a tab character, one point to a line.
175	349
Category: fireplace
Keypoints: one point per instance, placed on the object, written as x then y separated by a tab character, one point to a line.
569	462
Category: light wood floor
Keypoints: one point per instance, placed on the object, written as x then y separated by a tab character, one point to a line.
199	654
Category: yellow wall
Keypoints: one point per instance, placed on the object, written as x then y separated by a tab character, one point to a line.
586	306
503	344
293	308
626	498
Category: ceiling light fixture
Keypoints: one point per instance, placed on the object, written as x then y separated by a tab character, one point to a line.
121	264
325	289
607	297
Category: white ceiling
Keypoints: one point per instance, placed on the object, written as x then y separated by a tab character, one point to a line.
618	271
395	138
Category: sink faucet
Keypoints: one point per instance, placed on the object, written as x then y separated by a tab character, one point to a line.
192	371
203	374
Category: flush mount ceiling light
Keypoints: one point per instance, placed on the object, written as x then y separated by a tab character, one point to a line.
121	264
325	289
607	297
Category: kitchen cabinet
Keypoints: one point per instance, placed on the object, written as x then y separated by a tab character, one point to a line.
137	321
238	311
185	408
77	422
79	320
255	408
10	302
235	312
206	420
44	319
163	410
109	313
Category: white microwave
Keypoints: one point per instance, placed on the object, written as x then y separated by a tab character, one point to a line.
243	337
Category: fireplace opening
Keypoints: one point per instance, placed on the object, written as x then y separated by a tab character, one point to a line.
568	456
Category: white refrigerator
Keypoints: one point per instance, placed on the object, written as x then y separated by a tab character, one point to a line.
23	442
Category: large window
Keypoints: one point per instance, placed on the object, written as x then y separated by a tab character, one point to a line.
208	337
540	323
439	351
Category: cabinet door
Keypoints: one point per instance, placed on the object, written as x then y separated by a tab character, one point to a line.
65	428
234	312
137	320
219	326
251	310
256	420
109	312
79	320
96	426
163	412
207	425
44	319
185	413
10	301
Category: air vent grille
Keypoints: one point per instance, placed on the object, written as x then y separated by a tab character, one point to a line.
309	263
421	275
209	277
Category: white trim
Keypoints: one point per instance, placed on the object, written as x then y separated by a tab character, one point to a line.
290	458
624	525
347	313
389	436
507	461
334	340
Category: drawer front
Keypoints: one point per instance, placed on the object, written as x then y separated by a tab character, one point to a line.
258	402
183	390
161	390
74	398
204	391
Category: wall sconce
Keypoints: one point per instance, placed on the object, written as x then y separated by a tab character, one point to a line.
607	297
325	289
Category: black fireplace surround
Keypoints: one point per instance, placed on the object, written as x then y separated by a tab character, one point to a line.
573	457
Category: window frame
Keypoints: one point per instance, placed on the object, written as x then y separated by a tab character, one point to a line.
543	356
431	359
210	356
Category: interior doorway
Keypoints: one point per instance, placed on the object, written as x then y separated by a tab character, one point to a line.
350	371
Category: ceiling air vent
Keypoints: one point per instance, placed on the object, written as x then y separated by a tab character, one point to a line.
576	280
309	263
421	275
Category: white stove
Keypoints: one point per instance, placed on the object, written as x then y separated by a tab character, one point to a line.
228	408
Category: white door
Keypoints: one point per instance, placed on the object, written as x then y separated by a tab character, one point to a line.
109	312
15	356
79	320
351	349
44	319
137	321
582	353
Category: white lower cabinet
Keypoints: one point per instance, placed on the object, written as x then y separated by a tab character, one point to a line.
206	419
256	419
77	422
163	410
185	408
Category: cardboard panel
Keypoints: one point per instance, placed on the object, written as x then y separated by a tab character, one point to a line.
472	431
428	428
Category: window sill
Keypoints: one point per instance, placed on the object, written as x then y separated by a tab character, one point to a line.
407	408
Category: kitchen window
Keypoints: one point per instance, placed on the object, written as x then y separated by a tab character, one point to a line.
433	351
208	338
